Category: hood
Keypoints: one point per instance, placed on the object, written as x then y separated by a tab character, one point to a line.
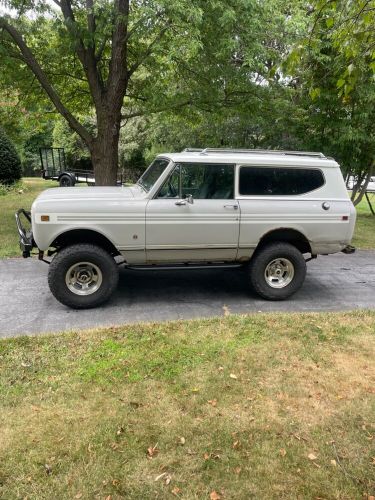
87	199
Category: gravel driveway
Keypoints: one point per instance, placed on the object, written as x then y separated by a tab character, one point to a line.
333	283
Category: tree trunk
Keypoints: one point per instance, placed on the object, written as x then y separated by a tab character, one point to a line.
104	151
362	189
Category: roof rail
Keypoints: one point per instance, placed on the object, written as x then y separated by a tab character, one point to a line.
207	151
192	150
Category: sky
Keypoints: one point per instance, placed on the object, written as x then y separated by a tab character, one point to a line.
6	10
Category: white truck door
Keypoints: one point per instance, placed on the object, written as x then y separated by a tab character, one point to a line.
194	216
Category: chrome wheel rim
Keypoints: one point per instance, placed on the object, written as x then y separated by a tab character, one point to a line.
279	273
83	278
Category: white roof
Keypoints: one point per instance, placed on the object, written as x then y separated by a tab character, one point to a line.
252	157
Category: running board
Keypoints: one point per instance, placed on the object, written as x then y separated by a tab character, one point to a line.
182	267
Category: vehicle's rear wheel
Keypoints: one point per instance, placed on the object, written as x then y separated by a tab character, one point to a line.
66	181
277	271
82	276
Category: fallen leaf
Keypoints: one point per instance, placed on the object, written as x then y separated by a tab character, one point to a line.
311	456
212	402
176	491
206	456
237	470
182	440
78	495
226	311
333	462
232	375
221	368
195	389
214	495
152	451
283	452
168	479
109	497
160	476
236	445
48	469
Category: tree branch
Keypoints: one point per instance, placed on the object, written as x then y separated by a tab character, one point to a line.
86	56
117	75
148	51
40	75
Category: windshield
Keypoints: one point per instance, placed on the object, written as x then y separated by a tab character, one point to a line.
152	174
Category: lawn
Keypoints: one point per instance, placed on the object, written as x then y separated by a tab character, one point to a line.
11	202
261	406
364	235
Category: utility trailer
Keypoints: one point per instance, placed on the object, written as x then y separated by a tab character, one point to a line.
54	167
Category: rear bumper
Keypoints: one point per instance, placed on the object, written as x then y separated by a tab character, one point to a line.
26	239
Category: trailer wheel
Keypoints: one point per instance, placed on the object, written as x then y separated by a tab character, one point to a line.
82	276
66	181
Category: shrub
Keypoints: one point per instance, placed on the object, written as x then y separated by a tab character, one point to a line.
10	164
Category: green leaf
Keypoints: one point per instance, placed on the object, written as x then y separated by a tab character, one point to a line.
351	68
340	83
330	22
315	93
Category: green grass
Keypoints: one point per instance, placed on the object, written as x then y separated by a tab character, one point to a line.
364	235
260	406
9	203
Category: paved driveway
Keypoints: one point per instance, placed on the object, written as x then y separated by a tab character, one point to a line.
336	282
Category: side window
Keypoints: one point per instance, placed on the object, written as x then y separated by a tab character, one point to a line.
207	181
279	181
171	187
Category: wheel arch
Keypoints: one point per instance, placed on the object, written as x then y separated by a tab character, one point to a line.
286	235
81	236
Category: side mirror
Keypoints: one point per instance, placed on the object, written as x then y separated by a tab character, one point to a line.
189	198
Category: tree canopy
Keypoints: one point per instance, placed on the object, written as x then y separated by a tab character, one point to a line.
131	78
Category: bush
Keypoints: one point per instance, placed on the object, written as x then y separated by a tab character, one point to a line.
10	164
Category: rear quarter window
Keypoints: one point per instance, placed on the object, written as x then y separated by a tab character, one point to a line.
278	181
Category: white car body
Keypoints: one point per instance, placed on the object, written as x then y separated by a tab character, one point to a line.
146	229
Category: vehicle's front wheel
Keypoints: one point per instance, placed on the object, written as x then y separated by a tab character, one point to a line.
277	271
82	276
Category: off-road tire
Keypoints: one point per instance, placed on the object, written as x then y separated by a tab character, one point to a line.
267	254
71	255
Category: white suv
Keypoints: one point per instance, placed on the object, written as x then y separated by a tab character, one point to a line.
270	210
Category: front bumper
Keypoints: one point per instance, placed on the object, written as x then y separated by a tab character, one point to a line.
27	242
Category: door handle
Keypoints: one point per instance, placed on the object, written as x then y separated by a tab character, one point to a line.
181	202
235	207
